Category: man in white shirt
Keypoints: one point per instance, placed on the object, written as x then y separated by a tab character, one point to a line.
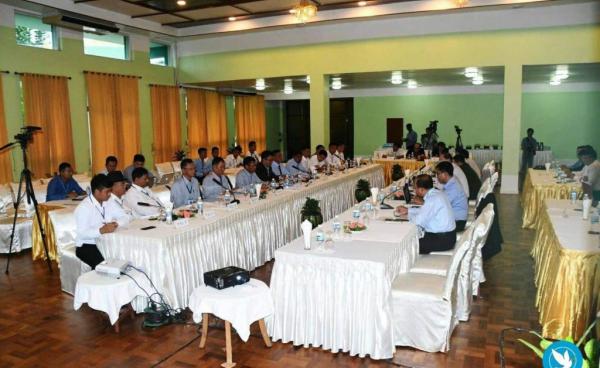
252	151
318	161
95	217
110	165
332	158
590	174
119	188
295	165
186	189
459	174
340	151
306	158
139	197
234	159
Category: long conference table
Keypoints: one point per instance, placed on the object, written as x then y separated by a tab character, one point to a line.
567	269
247	236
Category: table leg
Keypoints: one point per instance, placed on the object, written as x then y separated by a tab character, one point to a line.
263	332
229	363
204	330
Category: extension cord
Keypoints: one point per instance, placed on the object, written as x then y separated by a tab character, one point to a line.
155	318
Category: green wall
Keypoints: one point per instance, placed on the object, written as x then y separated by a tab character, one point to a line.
275	117
71	61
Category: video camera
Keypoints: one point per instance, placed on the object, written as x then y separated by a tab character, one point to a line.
457	129
27	134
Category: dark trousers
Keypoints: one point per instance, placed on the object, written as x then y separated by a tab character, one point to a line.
460	225
89	254
437	242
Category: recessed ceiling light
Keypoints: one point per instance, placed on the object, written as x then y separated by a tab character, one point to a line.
396	78
471	72
308	79
412	84
555	82
336	83
260	84
362	3
181	2
477	81
287	87
231	19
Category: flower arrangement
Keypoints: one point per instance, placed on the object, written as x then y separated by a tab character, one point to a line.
356	226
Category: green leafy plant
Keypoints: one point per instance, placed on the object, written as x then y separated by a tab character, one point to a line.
397	172
179	155
312	212
363	190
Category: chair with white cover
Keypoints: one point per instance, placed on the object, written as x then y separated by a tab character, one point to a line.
423	306
480	238
163	169
494	180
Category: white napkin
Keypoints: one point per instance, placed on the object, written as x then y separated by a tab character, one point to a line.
306	231
258	187
374	193
407	173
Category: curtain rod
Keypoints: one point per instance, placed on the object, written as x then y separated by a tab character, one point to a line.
115	74
161	85
181	85
4	72
45	75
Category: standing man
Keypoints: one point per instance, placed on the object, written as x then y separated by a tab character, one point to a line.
411	137
252	151
63	186
203	167
528	146
277	166
590	174
140	192
435	217
110	165
186	189
216	182
95	217
138	161
247	178
119	188
264	169
454	192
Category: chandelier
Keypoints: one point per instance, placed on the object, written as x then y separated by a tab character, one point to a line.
304	10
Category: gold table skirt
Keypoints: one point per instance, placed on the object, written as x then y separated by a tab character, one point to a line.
533	195
568	284
406	164
37	246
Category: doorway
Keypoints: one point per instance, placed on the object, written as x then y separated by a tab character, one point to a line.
297	123
341	123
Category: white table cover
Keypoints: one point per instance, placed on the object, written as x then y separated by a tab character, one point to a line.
482	156
246	237
241	305
22	238
340	300
107	294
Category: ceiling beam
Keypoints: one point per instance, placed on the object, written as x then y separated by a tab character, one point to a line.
155	8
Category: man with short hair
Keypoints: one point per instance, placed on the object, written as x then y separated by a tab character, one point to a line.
140	198
341	147
319	148
458	173
529	148
438	149
119	188
247	178
252	151
186	189
332	158
469	161
264	168
203	167
214	152
317	162
94	217
472	179
416	151
138	161
411	137
63	186
454	192
306	159
435	218
590	174
396	153
234	159
110	165
277	166
295	165
216	182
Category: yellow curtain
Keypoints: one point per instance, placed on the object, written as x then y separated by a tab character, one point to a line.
207	119
250	121
113	103
46	100
5	166
166	122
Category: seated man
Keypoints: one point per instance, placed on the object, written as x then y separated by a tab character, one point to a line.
215	183
319	148
435	217
317	162
95	217
472	178
234	159
203	166
469	161
438	149
264	169
252	151
332	158
306	158
214	152
186	190
138	161
110	165
341	147
119	188
590	174
454	192
295	165
139	197
277	166
396	153
63	186
416	152
578	165
247	178
458	173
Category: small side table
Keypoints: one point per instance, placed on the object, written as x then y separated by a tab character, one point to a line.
238	306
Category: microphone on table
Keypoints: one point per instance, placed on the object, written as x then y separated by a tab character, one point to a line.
385	206
168	186
146	204
229	189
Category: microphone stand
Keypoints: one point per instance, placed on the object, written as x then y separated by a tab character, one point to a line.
385	206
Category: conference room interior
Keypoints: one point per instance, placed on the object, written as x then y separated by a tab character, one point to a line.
224	73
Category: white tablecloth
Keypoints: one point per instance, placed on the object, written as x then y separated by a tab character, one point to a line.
241	305
40	187
22	234
340	299
569	227
247	237
482	156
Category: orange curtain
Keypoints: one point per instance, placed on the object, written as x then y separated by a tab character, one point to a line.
113	104
5	166
250	121
166	122
207	119
46	100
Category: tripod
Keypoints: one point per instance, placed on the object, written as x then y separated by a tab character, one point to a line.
459	143
25	178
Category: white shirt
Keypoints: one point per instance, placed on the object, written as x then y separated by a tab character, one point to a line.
232	162
90	216
333	160
253	154
340	155
474	166
118	203
462	179
137	194
590	175
315	163
305	163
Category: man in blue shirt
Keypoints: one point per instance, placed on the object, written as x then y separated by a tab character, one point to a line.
138	161
203	166
216	182
277	166
411	137
186	189
247	178
434	218
458	200
63	186
295	165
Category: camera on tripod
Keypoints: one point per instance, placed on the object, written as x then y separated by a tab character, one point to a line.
26	135
457	129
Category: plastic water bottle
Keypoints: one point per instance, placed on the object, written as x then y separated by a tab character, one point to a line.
169	215
227	197
200	206
320	235
356	212
587	204
273	184
573	195
337	225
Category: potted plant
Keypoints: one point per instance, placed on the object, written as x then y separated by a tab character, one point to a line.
363	190
179	155
397	172
312	212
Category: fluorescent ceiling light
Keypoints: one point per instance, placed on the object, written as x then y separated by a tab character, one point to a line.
336	83
471	72
308	79
181	2
287	87
412	84
260	84
362	3
396	78
231	19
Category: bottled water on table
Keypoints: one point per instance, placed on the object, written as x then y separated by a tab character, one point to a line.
273	184
337	226
227	197
320	235
200	206
573	195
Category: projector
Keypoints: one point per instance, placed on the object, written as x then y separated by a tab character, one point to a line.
112	267
226	277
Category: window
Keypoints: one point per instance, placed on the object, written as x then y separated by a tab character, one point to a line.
31	31
159	54
110	45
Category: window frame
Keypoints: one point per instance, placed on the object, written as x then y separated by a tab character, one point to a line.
54	31
126	46
170	59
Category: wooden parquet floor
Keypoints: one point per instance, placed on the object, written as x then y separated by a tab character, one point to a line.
39	328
